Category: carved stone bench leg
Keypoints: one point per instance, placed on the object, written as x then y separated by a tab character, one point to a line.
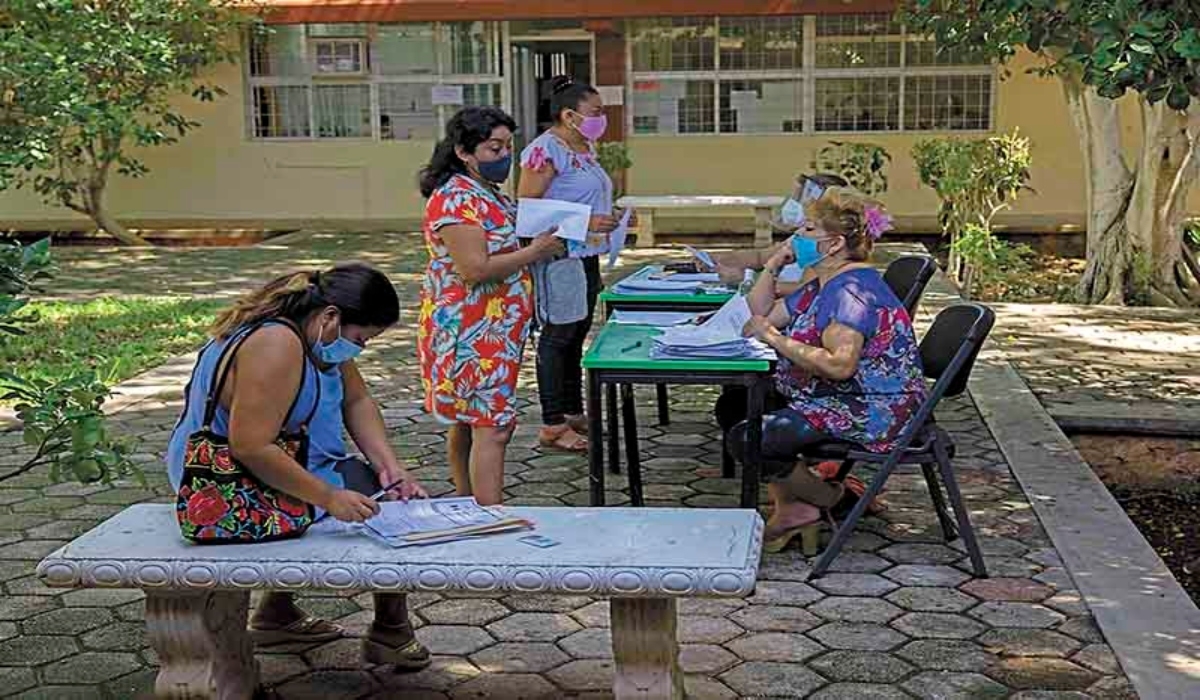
645	649
203	648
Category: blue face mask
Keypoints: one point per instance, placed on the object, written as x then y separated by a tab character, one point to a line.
337	352
497	170
792	213
806	252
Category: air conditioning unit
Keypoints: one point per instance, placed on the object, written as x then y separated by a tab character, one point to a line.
339	57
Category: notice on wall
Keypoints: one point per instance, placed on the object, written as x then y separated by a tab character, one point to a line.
612	95
448	95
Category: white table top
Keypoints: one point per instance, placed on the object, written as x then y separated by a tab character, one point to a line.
603	552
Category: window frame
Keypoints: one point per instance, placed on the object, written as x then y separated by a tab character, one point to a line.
370	77
808	74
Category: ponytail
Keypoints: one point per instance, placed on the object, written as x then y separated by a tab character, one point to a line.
363	295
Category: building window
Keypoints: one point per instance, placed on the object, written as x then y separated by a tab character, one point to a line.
811	74
337	81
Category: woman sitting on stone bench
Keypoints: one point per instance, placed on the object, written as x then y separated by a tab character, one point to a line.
336	312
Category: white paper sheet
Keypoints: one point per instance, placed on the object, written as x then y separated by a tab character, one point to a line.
660	319
616	239
536	216
724	326
703	257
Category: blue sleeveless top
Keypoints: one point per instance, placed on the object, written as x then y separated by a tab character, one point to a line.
327	444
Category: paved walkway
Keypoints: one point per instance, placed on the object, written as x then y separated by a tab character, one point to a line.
901	616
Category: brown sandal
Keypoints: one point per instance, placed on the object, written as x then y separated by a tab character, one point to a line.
412	656
579	424
306	629
563	438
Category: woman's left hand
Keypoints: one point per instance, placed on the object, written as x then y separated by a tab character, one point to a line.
408	488
759	327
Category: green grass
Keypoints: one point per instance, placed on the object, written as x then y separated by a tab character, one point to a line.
119	337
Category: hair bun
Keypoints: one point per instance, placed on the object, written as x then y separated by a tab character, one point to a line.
560	83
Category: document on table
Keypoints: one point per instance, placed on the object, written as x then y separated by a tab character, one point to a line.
616	239
536	216
703	257
658	319
722	327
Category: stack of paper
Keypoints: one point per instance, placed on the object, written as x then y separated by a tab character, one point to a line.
718	338
659	319
437	520
649	281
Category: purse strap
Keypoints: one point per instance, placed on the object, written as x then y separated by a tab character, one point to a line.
221	374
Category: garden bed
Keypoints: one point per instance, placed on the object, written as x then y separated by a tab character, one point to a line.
1157	481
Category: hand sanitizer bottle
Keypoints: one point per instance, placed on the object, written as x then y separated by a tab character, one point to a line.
747	282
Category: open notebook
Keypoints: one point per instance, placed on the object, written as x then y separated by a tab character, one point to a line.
436	520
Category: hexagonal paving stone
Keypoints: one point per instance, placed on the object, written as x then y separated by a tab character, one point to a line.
519	657
58	692
584	675
91	667
860	637
858	563
954	686
862	666
1082	628
705	658
101	597
8	630
772	618
1027	642
1027	672
593	615
920	553
1099	658
327	685
848	609
14	680
442	674
533	627
22	607
785	566
546	603
1068	602
1008	589
1050	695
938	626
1028	615
1006	567
274	669
338	654
775	646
945	655
926	575
31	650
506	686
464	611
454	639
865	585
68	621
589	643
785	593
696	629
1112	688
760	678
922	599
859	691
705	688
1056	577
718	607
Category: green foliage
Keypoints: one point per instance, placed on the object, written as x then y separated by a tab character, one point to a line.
62	417
1191	232
1149	46
118	337
992	263
614	158
975	179
863	165
84	84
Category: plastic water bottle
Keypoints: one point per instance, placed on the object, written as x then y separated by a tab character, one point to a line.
747	282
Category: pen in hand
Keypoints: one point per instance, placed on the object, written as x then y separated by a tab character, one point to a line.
374	497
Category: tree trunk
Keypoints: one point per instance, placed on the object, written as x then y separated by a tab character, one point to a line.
1134	218
95	208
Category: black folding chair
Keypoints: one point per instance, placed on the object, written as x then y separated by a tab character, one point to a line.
907	276
948	353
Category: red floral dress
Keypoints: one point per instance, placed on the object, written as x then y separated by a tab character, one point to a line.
471	337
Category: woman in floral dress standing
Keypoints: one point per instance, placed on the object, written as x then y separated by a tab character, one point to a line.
476	299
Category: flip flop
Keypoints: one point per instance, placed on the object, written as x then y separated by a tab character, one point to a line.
566	440
579	424
306	629
412	656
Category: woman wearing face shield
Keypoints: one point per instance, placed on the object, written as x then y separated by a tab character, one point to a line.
476	298
849	365
292	348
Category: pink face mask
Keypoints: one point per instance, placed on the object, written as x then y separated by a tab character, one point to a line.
593	128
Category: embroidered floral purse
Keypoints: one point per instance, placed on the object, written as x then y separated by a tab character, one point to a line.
220	501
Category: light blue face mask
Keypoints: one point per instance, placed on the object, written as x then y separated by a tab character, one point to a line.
806	251
337	352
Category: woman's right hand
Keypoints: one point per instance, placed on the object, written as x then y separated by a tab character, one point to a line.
782	257
350	506
547	245
603	223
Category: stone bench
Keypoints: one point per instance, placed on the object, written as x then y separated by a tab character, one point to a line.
647	205
197	597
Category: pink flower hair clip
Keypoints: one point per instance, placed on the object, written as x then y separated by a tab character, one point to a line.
877	222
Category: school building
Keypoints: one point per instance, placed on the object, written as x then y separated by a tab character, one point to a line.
331	113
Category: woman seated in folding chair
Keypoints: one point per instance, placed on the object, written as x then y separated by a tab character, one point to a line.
849	366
